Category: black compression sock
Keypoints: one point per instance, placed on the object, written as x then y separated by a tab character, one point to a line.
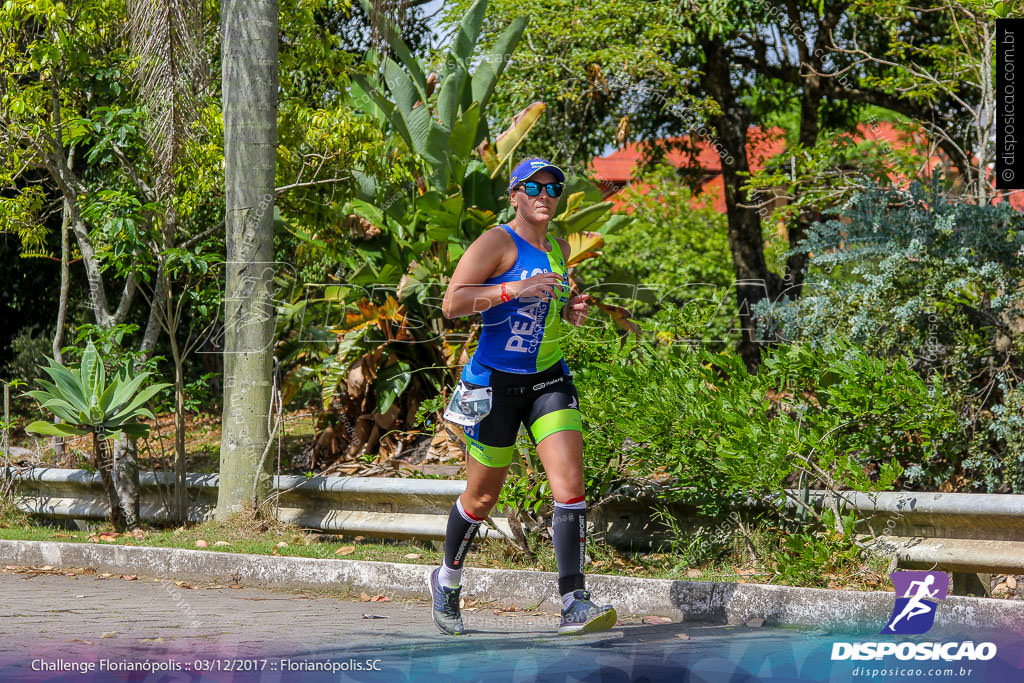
569	536
462	528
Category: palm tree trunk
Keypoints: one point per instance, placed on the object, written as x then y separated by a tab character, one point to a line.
249	83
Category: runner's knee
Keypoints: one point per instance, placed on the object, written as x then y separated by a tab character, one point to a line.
479	503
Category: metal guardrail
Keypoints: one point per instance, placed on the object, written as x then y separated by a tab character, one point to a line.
958	532
371	506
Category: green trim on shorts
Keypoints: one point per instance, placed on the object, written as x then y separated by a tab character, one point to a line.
556	421
490	456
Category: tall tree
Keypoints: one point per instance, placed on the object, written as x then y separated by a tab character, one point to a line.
59	68
249	44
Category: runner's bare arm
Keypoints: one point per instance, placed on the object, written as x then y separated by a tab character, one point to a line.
566	249
466	294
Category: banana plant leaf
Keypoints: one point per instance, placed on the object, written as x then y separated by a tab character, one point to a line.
390	384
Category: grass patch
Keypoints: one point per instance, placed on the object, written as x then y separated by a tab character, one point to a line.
11	515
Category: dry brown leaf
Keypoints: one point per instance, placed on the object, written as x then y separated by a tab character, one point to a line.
654	619
345	550
202	544
282	544
412	556
682	636
363	597
221	543
692	573
129	577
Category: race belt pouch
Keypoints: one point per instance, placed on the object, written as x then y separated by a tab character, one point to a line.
468	406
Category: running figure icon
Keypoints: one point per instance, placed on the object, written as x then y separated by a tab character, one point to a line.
920	593
914	606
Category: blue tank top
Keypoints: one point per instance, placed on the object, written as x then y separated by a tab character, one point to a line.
522	335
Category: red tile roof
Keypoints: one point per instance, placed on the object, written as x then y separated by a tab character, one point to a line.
616	169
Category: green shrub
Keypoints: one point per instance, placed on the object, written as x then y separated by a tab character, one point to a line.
938	282
833	417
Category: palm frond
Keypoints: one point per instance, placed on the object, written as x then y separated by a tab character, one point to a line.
167	37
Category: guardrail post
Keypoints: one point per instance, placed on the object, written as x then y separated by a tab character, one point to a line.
965	583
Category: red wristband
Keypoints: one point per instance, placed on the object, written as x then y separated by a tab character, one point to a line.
504	293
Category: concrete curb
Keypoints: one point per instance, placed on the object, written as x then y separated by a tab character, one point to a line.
730	603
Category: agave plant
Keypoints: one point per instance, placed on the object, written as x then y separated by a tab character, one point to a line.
87	404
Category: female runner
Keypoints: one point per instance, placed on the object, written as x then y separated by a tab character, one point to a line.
515	276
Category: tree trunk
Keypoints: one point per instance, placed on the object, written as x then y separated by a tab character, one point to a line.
753	279
62	310
249	81
126	477
180	492
118	515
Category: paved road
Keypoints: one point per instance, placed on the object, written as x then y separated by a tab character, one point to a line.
49	620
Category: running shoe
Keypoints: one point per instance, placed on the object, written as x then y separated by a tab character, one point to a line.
583	616
447	616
